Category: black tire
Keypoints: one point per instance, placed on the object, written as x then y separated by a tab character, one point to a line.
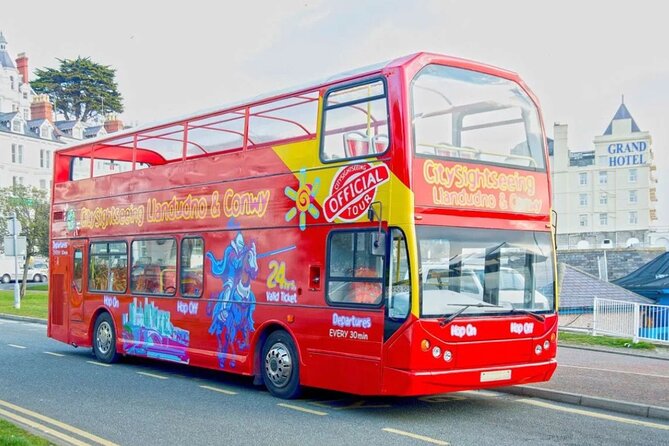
6	278
280	366
104	339
37	278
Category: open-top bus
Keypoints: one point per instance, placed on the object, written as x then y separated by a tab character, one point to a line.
386	231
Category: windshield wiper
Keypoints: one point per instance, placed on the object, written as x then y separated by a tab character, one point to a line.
537	316
443	320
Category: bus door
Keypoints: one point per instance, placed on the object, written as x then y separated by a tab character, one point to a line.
65	288
349	353
76	281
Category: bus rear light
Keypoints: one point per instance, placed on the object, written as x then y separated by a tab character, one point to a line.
436	351
448	356
553	337
546	344
425	345
538	349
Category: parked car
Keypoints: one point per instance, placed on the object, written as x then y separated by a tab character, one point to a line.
37	272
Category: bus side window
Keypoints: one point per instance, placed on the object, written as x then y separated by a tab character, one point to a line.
399	280
192	266
355	275
78	274
154	264
108	267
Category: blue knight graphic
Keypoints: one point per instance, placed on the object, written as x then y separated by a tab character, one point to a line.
232	312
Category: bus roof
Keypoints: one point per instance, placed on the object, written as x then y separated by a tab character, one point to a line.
412	63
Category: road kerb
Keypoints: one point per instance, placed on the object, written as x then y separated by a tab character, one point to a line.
14	317
641	410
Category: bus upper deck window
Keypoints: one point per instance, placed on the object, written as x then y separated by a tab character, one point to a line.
355	122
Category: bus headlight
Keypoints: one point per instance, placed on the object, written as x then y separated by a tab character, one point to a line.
538	349
448	356
547	344
436	351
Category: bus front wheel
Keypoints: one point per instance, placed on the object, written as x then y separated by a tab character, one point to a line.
104	341
281	366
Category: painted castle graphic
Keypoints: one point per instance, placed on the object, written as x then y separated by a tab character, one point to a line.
148	332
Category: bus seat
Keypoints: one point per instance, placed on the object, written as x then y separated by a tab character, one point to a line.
152	279
468	153
355	144
365	292
380	143
445	149
169	280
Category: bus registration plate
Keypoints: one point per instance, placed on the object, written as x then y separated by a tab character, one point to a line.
498	375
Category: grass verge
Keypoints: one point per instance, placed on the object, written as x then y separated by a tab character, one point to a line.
605	341
10	435
33	304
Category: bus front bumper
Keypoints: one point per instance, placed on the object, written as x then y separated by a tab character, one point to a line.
429	382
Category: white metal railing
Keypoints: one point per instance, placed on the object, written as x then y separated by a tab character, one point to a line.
637	321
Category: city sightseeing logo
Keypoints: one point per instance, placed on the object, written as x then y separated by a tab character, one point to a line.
353	190
71	220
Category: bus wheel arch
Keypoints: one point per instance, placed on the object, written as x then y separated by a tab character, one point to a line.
276	353
104	337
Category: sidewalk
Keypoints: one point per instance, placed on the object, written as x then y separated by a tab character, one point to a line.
634	382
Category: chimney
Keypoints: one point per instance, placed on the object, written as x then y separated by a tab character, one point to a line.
113	123
22	67
41	108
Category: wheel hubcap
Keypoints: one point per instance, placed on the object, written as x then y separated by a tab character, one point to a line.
278	364
104	337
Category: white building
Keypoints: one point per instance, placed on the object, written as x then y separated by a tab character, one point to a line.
29	133
605	197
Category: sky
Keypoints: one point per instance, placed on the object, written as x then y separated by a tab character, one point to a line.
172	59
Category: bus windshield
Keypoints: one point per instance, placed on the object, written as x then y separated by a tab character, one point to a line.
495	271
465	114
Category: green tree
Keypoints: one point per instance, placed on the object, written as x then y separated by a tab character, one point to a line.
80	88
32	211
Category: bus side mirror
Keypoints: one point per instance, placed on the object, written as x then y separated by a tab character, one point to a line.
379	243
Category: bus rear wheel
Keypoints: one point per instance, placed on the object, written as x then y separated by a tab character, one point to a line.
6	278
281	366
104	341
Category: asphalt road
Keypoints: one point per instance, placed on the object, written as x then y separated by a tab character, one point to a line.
141	402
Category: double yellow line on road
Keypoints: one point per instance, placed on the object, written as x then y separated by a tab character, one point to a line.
56	429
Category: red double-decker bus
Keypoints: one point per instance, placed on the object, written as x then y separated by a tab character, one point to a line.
384	232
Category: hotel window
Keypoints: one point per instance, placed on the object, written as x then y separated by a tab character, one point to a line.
45	158
42	184
633	198
16	126
583	199
583	178
603	177
603	219
583	220
603	198
17	154
632	175
634	217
